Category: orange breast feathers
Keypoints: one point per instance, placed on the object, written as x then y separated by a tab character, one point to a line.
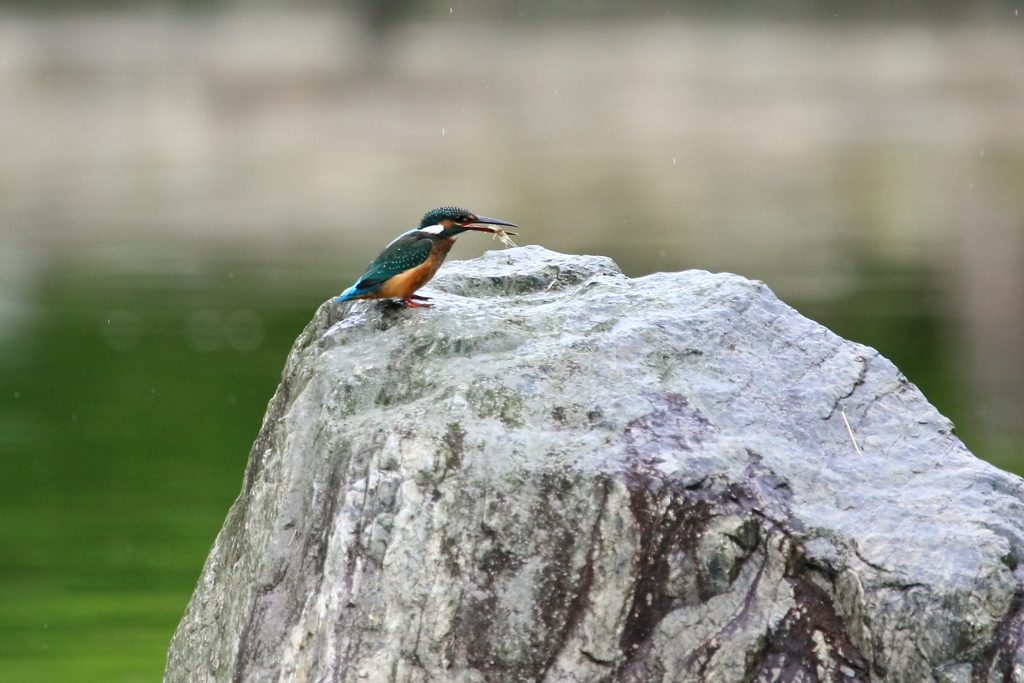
406	283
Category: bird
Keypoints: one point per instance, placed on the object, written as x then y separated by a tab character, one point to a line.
413	257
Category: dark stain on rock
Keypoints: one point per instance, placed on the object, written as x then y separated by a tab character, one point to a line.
496	560
557	582
997	662
252	652
450	553
453	446
674	517
672	426
473	638
581	597
670	521
810	641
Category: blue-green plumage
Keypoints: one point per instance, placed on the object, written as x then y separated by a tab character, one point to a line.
407	251
412	258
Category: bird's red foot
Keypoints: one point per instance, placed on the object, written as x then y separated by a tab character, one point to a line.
409	303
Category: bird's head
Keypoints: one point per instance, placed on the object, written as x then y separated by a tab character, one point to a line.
451	220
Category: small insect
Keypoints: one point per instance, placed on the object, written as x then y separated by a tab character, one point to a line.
503	236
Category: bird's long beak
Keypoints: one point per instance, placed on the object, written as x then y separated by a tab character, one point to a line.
481	223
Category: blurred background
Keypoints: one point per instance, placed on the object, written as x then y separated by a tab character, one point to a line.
183	183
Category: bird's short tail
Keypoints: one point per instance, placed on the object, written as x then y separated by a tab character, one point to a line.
348	294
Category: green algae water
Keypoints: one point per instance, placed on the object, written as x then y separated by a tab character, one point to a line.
128	406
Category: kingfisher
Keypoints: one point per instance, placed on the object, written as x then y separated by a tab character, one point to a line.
413	257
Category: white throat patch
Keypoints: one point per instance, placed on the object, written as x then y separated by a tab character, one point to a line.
433	229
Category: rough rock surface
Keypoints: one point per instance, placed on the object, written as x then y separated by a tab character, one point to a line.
562	474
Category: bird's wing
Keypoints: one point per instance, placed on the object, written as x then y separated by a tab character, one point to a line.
407	251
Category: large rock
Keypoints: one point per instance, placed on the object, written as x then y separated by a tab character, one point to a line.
562	474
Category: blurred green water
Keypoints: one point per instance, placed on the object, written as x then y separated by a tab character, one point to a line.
129	403
119	456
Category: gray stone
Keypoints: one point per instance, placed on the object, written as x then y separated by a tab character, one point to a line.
559	473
